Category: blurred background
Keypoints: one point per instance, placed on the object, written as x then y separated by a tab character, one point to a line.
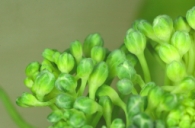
27	27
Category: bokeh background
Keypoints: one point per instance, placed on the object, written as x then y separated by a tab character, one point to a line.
27	27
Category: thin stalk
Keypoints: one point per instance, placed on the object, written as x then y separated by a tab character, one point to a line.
16	117
82	88
144	66
191	61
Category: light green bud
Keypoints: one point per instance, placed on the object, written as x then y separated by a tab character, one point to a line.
163	27
117	123
124	86
176	71
173	117
180	24
146	89
64	101
65	62
97	78
76	50
186	85
56	56
87	105
135	41
182	41
85	67
115	58
125	70
168	53
66	82
98	53
91	41
48	54
87	126
77	118
132	58
29	100
43	84
28	82
185	121
142	120
32	70
55	116
190	16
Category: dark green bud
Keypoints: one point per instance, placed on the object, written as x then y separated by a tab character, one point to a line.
91	41
180	24
85	67
117	123
124	86
125	70
142	120
55	116
115	58
182	41
77	118
48	54
190	16
98	53
32	70
76	50
87	105
97	78
168	53
65	62
29	100
163	27
43	84
65	101
135	41
176	71
66	82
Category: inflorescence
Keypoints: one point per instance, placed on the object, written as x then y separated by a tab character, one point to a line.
78	86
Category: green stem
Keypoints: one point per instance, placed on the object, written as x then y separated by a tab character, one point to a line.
191	61
144	66
12	111
82	88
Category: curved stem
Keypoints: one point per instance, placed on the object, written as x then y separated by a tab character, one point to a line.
82	88
12	111
144	66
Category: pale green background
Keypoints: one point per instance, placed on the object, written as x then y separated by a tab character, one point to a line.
27	27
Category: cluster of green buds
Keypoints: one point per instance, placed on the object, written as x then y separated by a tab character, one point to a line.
88	86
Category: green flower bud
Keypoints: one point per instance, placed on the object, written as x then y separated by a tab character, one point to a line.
43	84
176	71
132	58
173	117
190	111
29	100
182	41
185	121
135	41
66	82
87	126
65	101
85	68
55	116
163	27
91	41
32	70
188	102
124	86
87	105
98	53
77	118
56	56
168	53
190	16
106	104
186	85
48	54
115	58
135	105
146	89
76	50
142	120
125	70
117	123
28	82
65	62
180	24
50	66
97	78
60	124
